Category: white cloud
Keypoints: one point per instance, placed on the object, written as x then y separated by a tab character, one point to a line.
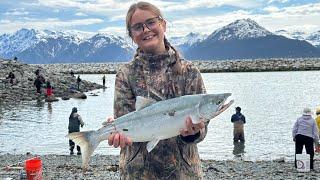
16	12
50	23
203	25
303	18
99	6
80	14
271	9
4	21
191	4
279	1
121	31
119	17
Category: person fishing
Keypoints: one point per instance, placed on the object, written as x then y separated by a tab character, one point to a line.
238	120
11	78
49	89
157	72
75	121
104	80
78	82
305	134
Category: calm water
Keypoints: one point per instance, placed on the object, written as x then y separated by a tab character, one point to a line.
271	102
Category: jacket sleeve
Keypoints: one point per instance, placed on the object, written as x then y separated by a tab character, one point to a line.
194	85
295	129
81	121
244	119
315	132
233	118
123	97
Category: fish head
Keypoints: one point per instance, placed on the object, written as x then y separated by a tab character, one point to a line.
212	105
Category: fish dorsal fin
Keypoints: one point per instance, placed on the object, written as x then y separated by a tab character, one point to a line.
142	102
152	144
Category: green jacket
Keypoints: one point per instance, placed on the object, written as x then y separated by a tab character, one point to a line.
158	77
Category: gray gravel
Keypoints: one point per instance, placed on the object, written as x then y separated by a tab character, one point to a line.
106	167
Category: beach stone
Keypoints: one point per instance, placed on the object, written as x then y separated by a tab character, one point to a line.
107	167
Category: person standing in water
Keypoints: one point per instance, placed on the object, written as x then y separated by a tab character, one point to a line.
75	121
104	80
238	120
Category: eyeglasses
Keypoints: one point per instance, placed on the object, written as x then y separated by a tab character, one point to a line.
151	24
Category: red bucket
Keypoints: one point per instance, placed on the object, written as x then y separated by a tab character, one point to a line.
33	169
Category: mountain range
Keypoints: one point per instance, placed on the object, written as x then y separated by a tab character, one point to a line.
243	38
312	38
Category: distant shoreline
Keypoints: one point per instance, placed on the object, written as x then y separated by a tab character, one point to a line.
242	65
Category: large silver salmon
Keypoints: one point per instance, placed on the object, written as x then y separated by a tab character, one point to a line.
153	121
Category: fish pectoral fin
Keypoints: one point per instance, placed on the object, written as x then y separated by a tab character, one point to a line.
142	102
152	144
195	118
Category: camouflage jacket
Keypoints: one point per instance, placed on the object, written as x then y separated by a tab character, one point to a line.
158	77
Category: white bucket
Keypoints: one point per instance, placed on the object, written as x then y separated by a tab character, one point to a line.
303	162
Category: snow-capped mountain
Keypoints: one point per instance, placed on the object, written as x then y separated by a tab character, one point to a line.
312	38
242	38
184	42
189	39
18	42
245	38
239	29
33	46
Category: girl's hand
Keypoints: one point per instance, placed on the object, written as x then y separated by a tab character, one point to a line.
191	129
109	120
117	139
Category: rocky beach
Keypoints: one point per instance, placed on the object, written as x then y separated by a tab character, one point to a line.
106	167
23	88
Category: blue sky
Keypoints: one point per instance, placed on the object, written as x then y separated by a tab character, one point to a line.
183	16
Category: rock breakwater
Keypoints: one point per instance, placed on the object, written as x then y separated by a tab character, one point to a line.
245	65
23	88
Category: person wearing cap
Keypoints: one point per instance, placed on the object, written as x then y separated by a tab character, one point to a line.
238	120
75	121
318	124
305	133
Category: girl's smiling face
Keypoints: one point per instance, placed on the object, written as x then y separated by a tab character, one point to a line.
151	40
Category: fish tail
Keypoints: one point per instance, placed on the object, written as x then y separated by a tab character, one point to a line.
88	142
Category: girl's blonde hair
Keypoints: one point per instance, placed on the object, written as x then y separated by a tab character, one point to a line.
143	6
147	7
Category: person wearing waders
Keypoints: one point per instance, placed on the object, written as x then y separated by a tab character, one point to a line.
75	121
238	120
104	80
